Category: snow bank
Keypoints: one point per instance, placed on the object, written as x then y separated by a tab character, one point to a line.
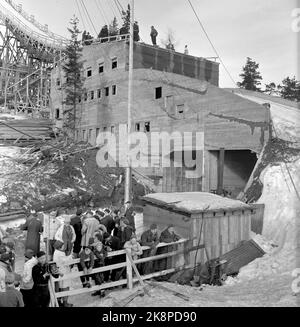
195	201
281	223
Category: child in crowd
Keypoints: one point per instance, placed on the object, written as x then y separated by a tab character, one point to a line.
134	246
86	266
100	254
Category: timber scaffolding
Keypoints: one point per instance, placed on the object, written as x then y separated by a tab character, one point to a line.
180	260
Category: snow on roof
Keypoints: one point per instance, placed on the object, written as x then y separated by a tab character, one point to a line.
195	201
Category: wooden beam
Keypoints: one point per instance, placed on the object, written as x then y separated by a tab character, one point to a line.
221	171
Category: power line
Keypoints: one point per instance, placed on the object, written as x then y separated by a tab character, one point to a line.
122	8
89	17
85	16
207	36
120	11
84	26
102	13
112	8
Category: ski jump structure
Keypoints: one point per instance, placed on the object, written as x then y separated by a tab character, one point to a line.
28	52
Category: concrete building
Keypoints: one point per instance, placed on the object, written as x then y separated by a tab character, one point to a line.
172	92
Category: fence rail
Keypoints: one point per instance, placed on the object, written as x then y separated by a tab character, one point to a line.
131	279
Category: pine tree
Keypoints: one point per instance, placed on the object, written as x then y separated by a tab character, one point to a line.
251	76
113	28
125	29
290	89
73	87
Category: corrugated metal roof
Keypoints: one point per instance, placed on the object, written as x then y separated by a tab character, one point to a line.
241	256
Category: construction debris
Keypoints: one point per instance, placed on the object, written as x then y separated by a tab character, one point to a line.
59	173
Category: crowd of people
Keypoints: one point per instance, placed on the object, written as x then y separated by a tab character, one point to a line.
88	236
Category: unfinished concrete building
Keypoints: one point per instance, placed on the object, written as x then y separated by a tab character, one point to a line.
172	92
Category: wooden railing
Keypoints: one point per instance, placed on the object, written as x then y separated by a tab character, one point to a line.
181	254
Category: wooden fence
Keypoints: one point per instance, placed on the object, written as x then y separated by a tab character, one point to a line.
180	260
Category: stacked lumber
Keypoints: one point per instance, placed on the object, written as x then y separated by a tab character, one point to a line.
32	129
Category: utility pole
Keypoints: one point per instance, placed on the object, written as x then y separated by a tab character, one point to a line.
130	99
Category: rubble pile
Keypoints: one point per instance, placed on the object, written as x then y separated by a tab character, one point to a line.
59	174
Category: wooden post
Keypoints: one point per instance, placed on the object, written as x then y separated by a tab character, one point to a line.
129	273
221	171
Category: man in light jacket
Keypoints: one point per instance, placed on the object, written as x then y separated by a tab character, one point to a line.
66	234
90	225
27	281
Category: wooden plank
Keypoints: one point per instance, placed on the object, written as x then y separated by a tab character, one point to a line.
92	289
176	293
129	273
135	268
221	160
95	271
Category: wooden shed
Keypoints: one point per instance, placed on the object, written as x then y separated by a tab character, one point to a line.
204	218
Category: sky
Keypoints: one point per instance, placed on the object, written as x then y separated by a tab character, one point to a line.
260	29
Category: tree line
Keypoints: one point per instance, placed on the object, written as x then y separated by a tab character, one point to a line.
251	80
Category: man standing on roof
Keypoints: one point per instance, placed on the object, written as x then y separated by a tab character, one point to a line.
153	35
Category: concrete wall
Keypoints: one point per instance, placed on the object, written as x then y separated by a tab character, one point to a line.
227	120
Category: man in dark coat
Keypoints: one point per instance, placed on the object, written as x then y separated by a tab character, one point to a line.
124	232
108	221
153	35
77	225
149	238
40	276
12	298
111	243
129	214
34	228
167	236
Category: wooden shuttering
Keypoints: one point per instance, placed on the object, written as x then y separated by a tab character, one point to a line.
221	232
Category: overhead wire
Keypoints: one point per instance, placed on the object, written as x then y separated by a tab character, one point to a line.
212	45
80	14
118	8
89	17
112	8
102	13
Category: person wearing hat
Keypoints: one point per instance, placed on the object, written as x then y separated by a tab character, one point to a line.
167	236
63	265
51	225
149	238
111	243
89	226
100	254
27	281
66	234
108	221
129	215
40	276
77	225
87	261
11	298
34	229
124	232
